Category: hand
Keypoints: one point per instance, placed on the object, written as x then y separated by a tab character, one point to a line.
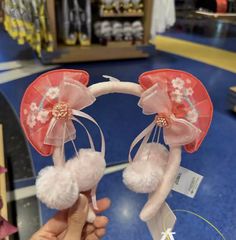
71	224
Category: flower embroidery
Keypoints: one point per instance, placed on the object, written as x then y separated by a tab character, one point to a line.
177	96
180	92
192	116
31	120
177	83
52	92
33	106
177	92
188	81
25	111
189	91
42	116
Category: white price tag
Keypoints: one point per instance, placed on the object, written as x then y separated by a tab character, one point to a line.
187	182
162	223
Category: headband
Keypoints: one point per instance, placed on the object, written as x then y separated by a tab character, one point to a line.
53	104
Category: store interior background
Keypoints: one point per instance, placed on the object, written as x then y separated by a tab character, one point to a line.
205	47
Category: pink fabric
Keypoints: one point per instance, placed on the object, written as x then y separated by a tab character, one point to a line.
6	229
42	129
2	170
187	99
179	131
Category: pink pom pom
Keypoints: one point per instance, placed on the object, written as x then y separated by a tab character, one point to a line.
144	174
88	168
57	188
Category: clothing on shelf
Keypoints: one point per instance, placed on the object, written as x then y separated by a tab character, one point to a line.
75	17
163	16
27	21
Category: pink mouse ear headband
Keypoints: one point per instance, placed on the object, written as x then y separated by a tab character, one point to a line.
53	103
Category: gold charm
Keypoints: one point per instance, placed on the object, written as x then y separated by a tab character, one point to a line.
61	110
162	121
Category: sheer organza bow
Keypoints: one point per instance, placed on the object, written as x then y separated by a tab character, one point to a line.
176	131
73	96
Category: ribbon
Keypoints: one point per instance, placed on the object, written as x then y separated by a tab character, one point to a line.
61	128
176	131
73	96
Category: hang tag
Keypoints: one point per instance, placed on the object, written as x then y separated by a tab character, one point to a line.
187	182
162	224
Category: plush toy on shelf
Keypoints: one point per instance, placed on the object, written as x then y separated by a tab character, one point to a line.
103	31
127	31
137	28
125	6
137	6
108	6
117	31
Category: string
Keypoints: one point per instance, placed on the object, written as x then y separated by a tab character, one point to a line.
144	136
159	133
89	136
86	116
198	216
152	141
64	136
73	143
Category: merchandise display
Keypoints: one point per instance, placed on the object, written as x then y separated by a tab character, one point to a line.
163	16
54	102
107	31
60	30
217	6
27	21
114	7
75	17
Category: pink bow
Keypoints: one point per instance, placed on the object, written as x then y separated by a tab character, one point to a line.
2	170
6	229
73	96
176	131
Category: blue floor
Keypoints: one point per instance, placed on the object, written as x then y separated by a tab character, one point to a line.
121	120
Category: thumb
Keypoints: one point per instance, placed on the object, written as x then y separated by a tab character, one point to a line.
77	217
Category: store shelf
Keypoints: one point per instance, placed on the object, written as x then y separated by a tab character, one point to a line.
125	15
216	15
95	52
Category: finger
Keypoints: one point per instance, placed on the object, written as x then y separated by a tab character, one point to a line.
89	228
100	232
100	222
77	217
43	235
103	204
92	236
57	224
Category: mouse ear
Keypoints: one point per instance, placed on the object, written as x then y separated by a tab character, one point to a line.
39	99
189	99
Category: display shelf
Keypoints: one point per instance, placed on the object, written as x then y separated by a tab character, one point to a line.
119	15
216	15
95	52
124	43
